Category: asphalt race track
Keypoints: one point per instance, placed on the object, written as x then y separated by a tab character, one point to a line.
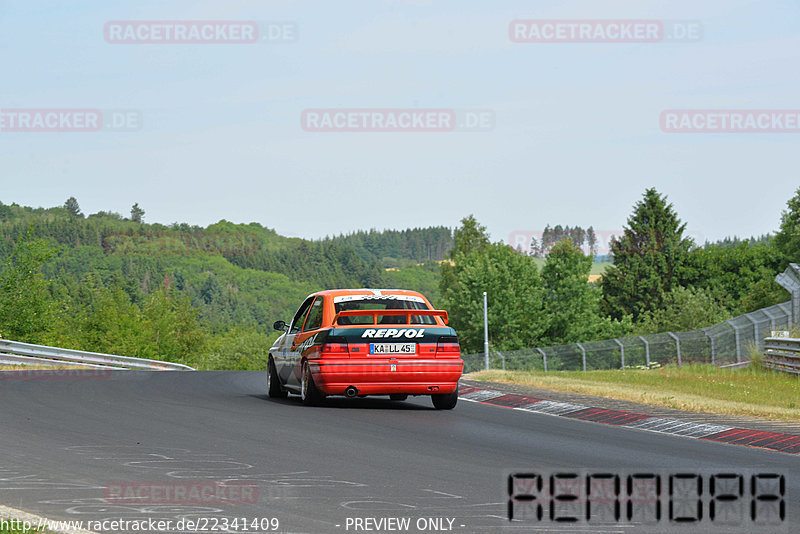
65	440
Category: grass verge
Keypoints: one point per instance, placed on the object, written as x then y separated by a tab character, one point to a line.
753	391
41	368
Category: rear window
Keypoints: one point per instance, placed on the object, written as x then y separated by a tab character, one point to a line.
382	302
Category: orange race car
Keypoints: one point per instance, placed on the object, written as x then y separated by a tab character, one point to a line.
358	342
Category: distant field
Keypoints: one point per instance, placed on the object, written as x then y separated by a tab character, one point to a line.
699	388
597	268
600	267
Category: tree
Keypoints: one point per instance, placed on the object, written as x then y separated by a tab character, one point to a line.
577	235
471	236
512	283
649	259
571	303
137	213
684	309
105	319
535	251
591	240
171	329
72	207
511	280
26	307
787	240
557	235
740	277
547	240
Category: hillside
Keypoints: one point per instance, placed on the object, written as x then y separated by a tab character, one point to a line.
234	277
208	296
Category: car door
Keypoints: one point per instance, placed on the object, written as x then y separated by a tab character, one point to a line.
290	368
304	340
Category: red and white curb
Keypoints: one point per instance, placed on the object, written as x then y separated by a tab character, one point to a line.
776	441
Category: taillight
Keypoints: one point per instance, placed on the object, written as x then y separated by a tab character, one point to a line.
448	346
334	345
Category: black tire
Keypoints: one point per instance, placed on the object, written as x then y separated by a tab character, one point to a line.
309	393
445	401
398	396
274	390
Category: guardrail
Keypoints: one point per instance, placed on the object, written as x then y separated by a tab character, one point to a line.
782	354
16	353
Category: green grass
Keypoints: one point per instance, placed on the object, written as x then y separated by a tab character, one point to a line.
600	267
41	368
753	391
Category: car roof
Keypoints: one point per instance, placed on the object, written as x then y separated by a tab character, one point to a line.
365	291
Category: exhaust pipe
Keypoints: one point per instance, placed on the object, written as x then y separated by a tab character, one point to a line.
351	392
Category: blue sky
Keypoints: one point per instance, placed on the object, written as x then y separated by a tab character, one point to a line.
576	135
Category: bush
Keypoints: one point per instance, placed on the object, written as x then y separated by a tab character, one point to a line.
241	349
684	309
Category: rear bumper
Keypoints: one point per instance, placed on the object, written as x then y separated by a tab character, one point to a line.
383	376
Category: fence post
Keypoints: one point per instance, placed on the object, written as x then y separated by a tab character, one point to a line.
583	357
646	351
787	313
502	359
621	352
485	331
544	359
713	350
677	346
755	329
790	281
738	341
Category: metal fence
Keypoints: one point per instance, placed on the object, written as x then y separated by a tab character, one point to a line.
16	353
782	354
724	343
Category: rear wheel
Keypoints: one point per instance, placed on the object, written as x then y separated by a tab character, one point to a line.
398	396
275	391
309	393
445	401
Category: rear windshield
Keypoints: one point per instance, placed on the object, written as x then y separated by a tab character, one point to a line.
382	302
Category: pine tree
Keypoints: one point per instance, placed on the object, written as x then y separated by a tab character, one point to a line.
547	240
137	213
471	236
72	207
591	240
535	250
649	259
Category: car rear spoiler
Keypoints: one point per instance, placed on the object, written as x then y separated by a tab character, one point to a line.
375	313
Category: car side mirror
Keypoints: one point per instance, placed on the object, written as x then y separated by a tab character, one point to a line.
279	325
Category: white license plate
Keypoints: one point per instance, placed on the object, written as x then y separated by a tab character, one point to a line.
392	348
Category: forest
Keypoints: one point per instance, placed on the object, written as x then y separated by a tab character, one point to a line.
202	296
207	297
